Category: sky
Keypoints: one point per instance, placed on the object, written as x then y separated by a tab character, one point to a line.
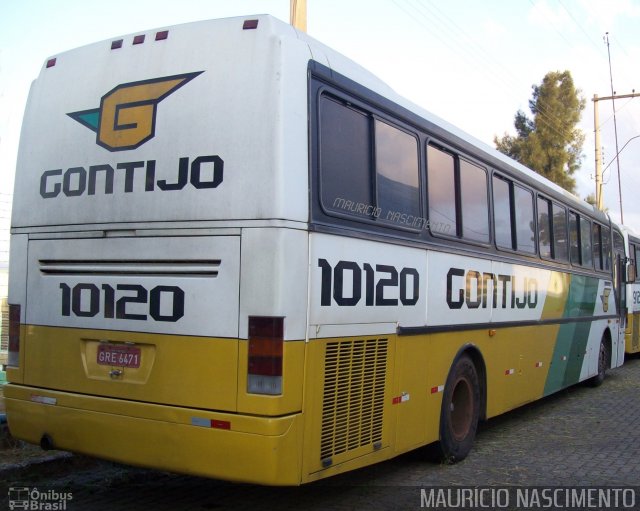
471	62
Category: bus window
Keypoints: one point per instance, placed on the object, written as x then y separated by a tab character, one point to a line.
618	243
397	172
475	207
606	249
544	228
574	238
442	195
502	213
585	242
560	237
345	158
525	222
597	247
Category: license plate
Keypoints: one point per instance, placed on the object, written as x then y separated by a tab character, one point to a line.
121	356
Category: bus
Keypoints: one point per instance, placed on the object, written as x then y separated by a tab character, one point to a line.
632	332
237	254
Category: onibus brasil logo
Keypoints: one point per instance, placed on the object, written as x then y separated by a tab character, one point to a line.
126	118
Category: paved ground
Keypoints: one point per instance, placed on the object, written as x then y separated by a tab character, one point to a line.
578	437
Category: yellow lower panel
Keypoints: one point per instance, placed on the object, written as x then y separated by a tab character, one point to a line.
517	362
252	449
370	398
65	359
632	334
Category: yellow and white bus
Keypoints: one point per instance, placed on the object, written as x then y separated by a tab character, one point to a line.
237	254
632	334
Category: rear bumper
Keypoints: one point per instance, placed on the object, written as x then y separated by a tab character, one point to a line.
234	447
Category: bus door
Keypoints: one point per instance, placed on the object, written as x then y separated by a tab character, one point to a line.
620	290
632	340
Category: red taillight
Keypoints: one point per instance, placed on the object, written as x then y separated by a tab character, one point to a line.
266	339
14	335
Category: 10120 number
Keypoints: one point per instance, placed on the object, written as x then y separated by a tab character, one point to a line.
88	300
376	280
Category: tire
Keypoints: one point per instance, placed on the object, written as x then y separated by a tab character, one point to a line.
604	361
460	411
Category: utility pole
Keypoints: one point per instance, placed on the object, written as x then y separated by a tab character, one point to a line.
615	125
596	125
298	14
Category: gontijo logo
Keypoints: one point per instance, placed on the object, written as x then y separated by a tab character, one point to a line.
126	118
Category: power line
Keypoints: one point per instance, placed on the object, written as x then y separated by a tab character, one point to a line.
615	127
585	33
473	52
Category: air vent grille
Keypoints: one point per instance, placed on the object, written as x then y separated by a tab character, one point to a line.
353	399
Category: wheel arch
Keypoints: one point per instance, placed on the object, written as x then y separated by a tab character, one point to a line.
474	353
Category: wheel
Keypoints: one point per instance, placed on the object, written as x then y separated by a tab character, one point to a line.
460	411
604	357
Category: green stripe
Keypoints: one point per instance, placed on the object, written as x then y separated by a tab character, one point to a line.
572	338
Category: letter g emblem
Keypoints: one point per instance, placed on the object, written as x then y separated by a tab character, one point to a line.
126	118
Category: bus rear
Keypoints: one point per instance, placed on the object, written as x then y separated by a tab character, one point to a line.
154	319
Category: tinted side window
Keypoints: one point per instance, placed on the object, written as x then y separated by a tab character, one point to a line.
525	223
473	198
560	237
544	227
345	159
606	249
398	173
502	213
597	247
618	242
574	238
369	169
442	195
585	242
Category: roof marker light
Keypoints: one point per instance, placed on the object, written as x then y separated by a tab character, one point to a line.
163	35
250	24
117	44
139	39
51	63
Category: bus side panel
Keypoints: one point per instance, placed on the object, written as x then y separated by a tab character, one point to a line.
359	292
274	266
632	334
18	296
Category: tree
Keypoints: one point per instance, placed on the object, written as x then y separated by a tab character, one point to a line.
591	199
550	142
